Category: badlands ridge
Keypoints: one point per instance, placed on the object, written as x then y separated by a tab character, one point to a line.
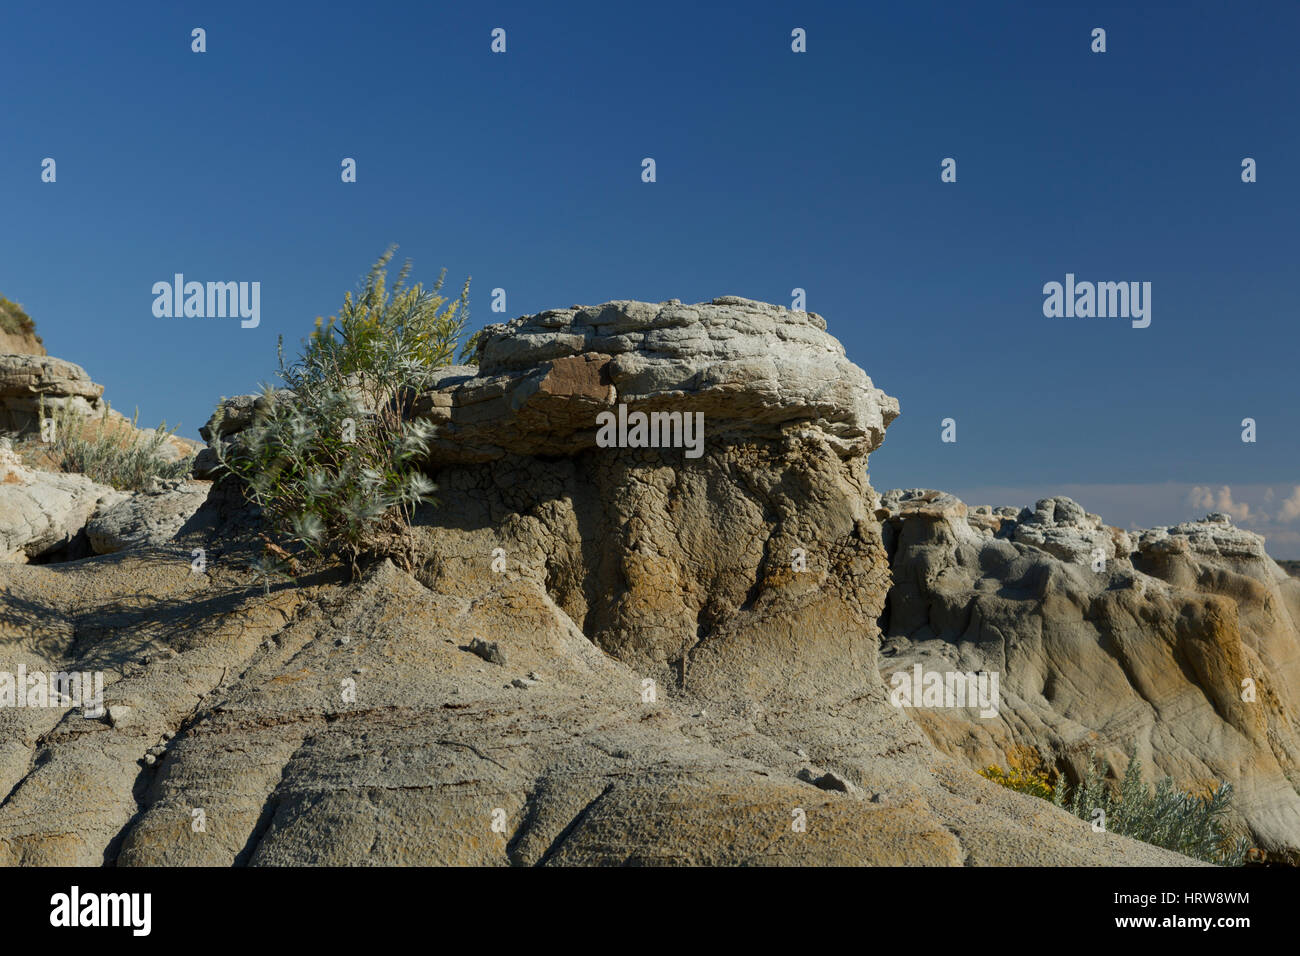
612	655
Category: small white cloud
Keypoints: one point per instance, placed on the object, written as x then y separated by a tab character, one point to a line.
1221	500
1291	506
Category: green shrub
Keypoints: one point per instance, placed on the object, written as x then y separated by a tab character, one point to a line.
108	450
361	339
333	461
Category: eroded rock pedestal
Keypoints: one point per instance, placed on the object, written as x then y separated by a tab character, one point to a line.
605	655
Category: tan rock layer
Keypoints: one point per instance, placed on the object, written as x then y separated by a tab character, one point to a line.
1180	646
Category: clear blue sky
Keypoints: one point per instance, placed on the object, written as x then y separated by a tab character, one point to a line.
775	170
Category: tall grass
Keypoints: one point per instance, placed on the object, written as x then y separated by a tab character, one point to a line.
108	450
15	321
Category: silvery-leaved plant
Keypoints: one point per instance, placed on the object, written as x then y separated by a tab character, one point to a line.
333	460
1194	825
108	450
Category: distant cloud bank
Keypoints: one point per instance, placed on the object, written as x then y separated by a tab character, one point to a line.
1270	510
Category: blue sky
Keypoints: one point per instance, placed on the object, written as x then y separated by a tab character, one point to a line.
775	170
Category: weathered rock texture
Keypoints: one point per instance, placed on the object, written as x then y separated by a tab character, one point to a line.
150	517
754	371
53	516
1109	640
43	514
26	380
613	654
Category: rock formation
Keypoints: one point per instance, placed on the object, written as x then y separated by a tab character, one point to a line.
51	516
29	378
1181	644
43	514
28	381
605	654
153	516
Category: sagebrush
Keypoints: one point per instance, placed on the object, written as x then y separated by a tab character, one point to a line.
332	458
108	449
1167	817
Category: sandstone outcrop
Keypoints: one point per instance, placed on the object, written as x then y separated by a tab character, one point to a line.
752	370
604	655
1181	644
27	380
42	513
150	517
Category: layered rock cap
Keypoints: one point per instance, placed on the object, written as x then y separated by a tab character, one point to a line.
750	367
26	380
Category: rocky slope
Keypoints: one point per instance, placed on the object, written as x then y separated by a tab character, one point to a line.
606	654
1180	644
